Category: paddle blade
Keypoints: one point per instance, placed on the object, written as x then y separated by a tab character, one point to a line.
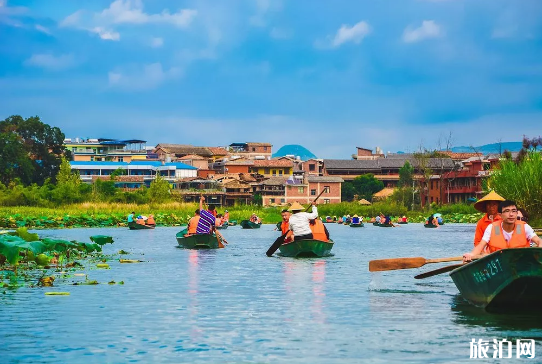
435	272
276	245
396	263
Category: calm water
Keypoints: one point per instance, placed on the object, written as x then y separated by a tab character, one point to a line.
235	305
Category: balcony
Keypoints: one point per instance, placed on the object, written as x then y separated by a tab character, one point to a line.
462	189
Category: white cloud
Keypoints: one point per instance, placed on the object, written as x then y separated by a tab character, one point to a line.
353	34
50	62
125	12
157	42
137	78
428	29
42	29
106	34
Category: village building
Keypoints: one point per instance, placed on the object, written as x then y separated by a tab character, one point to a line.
250	150
272	168
367	154
313	167
106	150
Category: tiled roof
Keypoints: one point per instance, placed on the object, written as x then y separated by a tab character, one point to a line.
460	156
192	156
184	149
240	162
390	163
218	151
274	181
316	179
254	144
384	193
273	163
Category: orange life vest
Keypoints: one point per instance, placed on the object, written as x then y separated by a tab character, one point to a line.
518	239
150	221
140	221
193	224
226	216
318	231
285	228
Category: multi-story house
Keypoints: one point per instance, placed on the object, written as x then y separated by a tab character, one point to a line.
106	150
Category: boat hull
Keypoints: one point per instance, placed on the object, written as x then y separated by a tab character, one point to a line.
306	248
247	224
357	225
505	281
198	241
428	226
223	227
134	226
402	223
376	224
385	225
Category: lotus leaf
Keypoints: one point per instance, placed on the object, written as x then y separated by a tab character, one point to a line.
101	239
10	246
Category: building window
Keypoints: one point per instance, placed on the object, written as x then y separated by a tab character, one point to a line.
266	171
274	172
92	158
326	200
301	189
271	200
265	149
253	149
312	167
282	200
280	172
121	159
313	192
327	189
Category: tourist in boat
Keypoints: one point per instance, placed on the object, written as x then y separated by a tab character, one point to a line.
150	220
193	223
299	221
206	223
140	220
131	217
489	204
334	218
378	219
404	219
355	220
506	233
319	230
328	219
218	220
432	220
284	226
226	217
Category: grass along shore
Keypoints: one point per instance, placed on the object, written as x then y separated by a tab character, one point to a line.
90	214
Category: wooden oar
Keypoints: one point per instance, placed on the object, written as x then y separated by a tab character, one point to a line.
441	270
273	248
406	263
221	238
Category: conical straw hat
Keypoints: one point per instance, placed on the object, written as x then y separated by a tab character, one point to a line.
355	216
480	205
296	206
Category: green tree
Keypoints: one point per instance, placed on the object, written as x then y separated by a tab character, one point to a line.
160	190
14	161
366	185
68	184
117	172
406	174
44	145
257	199
347	191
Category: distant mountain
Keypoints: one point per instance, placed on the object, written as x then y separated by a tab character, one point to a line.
295	150
491	148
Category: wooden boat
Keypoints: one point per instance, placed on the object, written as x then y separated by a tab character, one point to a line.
376	223
507	280
247	224
222	227
430	226
357	225
198	241
134	226
232	222
403	222
385	225
306	248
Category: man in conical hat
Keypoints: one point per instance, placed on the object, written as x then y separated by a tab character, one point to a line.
489	204
299	221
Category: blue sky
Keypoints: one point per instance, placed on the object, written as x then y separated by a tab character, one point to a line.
329	75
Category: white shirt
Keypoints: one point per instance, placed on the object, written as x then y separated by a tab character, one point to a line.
529	233
299	222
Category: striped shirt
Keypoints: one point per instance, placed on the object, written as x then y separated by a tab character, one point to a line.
206	222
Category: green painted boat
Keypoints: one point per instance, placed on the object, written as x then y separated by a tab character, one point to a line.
232	222
134	226
223	227
199	241
507	280
403	222
247	224
385	225
376	223
430	226
306	248
357	225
